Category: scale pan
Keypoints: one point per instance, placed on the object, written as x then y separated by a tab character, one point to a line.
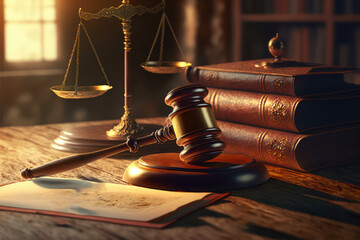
68	91
166	67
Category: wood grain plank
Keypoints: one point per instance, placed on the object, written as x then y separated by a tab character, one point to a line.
324	204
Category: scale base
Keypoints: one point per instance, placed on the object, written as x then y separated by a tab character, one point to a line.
166	171
92	138
127	126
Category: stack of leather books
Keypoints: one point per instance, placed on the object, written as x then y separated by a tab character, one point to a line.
302	116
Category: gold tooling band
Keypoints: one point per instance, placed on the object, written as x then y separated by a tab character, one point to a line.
193	120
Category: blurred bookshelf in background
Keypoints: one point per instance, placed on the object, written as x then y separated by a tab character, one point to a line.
319	31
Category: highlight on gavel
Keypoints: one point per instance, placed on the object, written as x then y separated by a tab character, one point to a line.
193	126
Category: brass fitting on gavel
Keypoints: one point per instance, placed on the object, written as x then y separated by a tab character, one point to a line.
193	125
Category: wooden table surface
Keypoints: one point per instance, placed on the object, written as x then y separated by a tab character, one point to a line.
323	204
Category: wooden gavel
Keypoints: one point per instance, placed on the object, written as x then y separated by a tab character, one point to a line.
193	125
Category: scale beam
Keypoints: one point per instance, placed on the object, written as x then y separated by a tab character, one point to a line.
124	11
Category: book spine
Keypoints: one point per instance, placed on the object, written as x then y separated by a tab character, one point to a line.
303	152
292	7
302	6
275	84
269	6
270	146
265	110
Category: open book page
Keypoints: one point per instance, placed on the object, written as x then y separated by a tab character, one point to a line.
95	199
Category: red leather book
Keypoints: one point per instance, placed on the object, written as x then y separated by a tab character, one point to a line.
286	113
303	152
302	79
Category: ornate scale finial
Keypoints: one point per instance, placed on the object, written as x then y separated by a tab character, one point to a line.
277	48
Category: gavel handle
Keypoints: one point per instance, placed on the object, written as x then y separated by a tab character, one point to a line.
75	161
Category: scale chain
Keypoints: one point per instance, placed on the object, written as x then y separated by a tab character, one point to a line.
71	56
156	36
176	40
162	28
77	64
77	48
162	42
96	55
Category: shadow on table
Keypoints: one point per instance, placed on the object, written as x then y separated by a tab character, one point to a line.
268	232
346	174
194	219
286	196
301	199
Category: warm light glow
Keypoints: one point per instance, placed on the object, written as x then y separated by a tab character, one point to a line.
23	42
182	64
50	37
48	2
30	30
134	171
67	133
48	13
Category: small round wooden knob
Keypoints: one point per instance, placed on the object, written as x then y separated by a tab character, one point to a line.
277	47
194	124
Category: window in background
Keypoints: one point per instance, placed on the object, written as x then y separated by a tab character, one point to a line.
30	30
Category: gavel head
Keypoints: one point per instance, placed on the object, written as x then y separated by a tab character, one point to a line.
194	124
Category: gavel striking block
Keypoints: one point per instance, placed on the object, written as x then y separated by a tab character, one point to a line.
199	167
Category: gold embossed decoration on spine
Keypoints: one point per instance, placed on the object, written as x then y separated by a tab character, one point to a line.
191	121
211	76
277	150
279	112
279	82
280	150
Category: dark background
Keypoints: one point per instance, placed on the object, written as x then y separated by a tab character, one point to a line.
206	29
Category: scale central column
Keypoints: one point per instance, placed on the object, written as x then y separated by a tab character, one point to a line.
124	12
128	124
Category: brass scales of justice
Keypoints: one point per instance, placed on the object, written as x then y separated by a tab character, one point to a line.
83	139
